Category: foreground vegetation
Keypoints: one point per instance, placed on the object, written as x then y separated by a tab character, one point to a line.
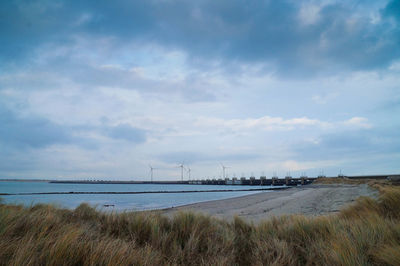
366	233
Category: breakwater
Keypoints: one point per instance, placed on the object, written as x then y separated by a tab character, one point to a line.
252	181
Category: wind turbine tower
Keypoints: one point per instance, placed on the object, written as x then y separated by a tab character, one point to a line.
189	171
182	167
151	172
223	170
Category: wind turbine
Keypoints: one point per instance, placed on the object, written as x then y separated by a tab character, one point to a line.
182	167
189	170
223	170
151	172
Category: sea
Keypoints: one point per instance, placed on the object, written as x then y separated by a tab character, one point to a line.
117	202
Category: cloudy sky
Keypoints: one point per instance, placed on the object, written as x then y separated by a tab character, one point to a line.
101	89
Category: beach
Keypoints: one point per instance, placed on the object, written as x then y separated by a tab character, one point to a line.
310	200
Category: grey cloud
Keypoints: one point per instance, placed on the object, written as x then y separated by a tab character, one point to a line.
393	9
390	105
197	157
349	144
33	132
229	31
55	75
126	132
191	88
24	139
16	161
26	25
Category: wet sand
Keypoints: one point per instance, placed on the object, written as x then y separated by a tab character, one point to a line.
310	200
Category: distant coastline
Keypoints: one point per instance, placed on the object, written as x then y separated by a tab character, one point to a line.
24	180
83	181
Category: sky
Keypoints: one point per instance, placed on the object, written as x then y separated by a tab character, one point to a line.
103	89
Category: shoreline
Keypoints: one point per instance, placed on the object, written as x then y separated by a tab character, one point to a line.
310	200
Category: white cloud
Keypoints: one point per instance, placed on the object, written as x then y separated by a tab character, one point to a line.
358	122
395	66
266	123
83	19
323	99
309	14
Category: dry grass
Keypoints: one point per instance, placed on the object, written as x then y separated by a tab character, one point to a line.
366	233
338	180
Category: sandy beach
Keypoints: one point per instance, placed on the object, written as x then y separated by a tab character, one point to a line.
310	200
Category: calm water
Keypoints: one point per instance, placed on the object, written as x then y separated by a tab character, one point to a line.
121	202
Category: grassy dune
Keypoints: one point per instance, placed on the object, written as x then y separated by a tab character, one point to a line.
366	233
